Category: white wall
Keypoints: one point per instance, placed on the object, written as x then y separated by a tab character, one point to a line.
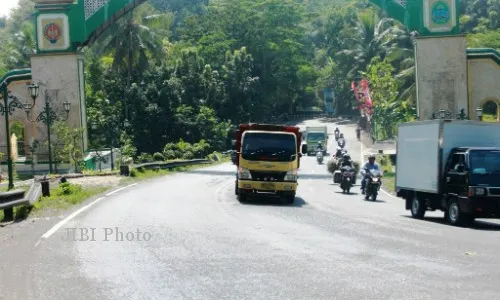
441	67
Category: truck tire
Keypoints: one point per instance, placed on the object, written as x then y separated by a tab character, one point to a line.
290	199
418	208
242	197
455	216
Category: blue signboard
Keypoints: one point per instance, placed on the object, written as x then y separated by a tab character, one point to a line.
329	100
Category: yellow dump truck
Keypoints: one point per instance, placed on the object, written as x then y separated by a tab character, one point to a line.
267	160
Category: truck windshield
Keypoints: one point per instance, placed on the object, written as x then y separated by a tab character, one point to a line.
485	167
315	136
268	146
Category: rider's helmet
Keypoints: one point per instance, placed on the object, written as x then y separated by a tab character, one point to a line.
336	129
341	135
371	158
347	157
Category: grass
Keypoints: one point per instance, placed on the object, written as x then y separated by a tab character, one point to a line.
62	197
489	118
389	182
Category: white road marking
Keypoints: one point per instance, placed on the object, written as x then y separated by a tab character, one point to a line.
116	191
76	213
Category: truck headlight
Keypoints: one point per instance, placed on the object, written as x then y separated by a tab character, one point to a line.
243	173
480	191
291	175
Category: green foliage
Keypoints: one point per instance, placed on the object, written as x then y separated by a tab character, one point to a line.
145	158
185	150
188	70
67	188
71	140
128	150
385	163
157	156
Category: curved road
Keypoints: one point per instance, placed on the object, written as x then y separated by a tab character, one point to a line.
204	244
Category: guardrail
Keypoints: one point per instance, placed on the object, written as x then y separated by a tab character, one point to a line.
171	164
11	199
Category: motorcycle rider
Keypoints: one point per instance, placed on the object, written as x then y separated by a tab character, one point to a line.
319	147
338	153
337	131
341	141
370	165
347	162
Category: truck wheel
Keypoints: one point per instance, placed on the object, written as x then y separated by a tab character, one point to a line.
417	208
290	199
242	197
455	216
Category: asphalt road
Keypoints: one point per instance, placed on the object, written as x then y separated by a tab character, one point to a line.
203	244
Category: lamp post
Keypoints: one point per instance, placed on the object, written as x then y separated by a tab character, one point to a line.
48	116
479	113
6	109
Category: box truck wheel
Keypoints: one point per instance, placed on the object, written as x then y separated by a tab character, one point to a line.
455	216
418	207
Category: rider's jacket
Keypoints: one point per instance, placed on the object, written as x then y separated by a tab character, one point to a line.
370	166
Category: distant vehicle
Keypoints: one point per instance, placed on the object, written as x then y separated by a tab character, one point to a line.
314	135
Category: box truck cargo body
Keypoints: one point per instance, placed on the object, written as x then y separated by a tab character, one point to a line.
428	153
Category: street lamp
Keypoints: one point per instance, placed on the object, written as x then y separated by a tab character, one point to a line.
448	115
34	91
48	116
6	109
479	113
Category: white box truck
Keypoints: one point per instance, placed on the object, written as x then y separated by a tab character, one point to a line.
449	165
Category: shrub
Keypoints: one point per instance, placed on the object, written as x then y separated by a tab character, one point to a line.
385	163
67	188
188	155
157	156
169	155
145	158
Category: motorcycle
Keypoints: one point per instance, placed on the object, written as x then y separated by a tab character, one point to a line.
347	179
319	156
373	184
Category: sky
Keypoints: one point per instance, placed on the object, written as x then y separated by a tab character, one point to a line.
6	5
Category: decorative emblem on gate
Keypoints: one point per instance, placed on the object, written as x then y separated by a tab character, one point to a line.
52	32
440	12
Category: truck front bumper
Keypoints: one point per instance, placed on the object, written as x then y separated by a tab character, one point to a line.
267	186
481	207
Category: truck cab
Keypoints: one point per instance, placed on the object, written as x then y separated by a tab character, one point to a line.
472	178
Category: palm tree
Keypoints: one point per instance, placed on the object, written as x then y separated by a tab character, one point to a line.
371	40
134	41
